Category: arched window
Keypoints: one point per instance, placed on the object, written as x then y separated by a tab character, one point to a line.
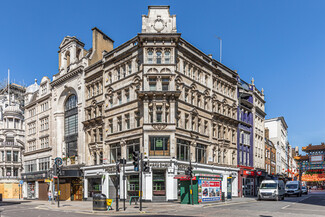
71	126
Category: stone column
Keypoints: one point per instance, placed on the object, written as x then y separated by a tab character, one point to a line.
146	110
85	187
73	54
172	110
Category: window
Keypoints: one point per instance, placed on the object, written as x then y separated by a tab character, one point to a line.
165	84
152	83
150	56
45	123
124	71
32	112
44	106
119	98
240	156
43	89
115	152
111	101
200	153
44	164
186	121
158	53
8	156
45	142
32	145
100	134
183	150
159	146
31	128
130	68
30	166
167	57
110	124
131	146
127	95
127	121
118	74
71	126
158	114
119	123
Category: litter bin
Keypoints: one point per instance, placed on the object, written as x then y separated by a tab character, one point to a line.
99	202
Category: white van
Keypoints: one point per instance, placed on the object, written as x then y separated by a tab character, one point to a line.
271	190
293	188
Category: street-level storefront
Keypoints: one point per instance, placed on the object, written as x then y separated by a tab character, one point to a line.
34	186
246	182
260	176
159	183
70	184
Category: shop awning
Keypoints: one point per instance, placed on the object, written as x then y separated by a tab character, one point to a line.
184	177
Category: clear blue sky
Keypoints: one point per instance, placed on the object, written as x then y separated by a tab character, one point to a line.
279	43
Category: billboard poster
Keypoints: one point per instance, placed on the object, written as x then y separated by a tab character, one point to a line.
209	190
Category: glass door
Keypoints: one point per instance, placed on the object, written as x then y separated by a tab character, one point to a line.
159	183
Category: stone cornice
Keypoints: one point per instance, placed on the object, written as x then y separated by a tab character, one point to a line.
67	76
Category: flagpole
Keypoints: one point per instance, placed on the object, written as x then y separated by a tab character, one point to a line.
9	86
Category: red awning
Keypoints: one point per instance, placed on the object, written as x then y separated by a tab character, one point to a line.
184	177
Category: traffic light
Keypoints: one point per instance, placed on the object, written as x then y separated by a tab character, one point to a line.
135	156
145	166
189	171
58	170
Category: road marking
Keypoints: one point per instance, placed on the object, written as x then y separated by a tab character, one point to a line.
228	204
285	207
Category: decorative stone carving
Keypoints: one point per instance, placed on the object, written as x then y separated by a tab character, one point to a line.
159	126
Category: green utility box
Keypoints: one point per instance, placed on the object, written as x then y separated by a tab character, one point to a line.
185	187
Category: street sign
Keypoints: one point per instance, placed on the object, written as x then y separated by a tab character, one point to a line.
21	182
58	161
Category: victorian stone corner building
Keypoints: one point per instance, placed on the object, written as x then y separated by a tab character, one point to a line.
160	95
54	112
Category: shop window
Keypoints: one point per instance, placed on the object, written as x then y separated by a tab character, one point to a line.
131	146
183	150
94	186
133	185
115	152
200	153
159	146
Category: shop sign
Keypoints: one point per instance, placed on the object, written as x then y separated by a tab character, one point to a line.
316	159
259	173
160	165
248	173
47	180
159	143
209	190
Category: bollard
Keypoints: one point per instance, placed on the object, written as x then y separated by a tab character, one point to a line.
223	196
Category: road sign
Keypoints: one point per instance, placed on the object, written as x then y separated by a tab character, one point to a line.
58	161
21	182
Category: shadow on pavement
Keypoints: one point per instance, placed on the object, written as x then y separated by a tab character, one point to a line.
9	203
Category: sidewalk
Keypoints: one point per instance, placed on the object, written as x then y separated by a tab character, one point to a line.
147	208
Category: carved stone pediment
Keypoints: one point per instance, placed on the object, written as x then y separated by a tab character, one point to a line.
159	126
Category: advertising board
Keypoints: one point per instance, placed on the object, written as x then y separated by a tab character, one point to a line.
209	190
316	159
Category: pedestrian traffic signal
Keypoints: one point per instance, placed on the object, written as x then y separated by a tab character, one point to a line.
145	166
135	156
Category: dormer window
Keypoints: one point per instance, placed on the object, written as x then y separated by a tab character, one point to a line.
43	89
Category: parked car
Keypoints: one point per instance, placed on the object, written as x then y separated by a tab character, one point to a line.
304	190
271	189
293	188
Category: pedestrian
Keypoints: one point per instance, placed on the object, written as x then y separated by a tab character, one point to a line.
49	194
